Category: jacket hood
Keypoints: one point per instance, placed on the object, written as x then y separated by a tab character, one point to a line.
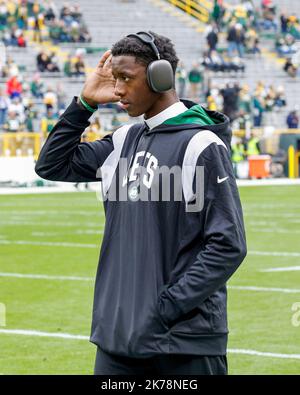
197	117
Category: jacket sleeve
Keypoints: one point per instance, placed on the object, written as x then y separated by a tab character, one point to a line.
64	158
223	241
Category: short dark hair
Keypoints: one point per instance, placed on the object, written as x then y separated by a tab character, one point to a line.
143	53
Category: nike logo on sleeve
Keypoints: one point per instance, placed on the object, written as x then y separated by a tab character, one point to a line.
220	180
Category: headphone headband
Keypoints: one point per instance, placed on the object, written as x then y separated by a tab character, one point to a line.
146	38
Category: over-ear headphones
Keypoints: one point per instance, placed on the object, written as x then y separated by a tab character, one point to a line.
160	74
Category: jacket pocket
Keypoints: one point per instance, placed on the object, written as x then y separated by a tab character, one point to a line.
199	320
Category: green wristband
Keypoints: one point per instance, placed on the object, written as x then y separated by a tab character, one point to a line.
86	105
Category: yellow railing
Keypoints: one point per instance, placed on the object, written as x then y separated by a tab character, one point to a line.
20	144
199	9
27	143
260	132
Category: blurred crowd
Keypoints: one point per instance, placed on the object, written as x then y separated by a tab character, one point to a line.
43	19
244	25
73	65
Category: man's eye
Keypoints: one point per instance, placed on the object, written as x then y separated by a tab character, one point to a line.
126	79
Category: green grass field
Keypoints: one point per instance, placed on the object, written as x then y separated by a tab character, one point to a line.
38	236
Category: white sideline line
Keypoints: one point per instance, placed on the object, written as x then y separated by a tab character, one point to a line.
281	269
78	278
274	253
263	354
48	243
81	245
81	337
46	277
42	334
264	289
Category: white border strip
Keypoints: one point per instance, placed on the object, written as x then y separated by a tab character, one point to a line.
81	337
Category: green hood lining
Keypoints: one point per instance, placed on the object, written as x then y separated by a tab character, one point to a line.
196	115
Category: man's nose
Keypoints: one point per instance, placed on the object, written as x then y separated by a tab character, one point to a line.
119	88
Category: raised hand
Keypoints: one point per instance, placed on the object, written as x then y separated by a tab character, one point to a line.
99	87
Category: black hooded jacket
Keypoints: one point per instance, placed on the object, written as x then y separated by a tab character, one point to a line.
164	262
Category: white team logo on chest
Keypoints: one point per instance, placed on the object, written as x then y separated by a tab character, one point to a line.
144	165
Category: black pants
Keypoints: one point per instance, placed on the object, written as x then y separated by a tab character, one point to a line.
172	364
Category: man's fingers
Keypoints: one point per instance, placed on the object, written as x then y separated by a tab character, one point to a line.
107	63
104	58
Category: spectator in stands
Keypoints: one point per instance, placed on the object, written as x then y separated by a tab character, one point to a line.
3	13
50	12
47	63
269	15
54	67
292	120
10	68
252	41
290	68
61	97
48	121
4	105
286	45
294	27
215	62
245	107
30	117
79	64
283	22
50	98
68	66
280	99
14	37
43	62
37	86
14	87
218	12
195	77
181	78
258	110
17	107
76	13
236	40
21	42
13	123
231	100
212	37
84	35
211	103
38	27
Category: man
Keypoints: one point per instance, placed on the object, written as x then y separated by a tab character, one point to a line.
160	293
237	154
252	146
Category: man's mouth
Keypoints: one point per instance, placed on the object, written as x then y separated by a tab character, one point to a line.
124	104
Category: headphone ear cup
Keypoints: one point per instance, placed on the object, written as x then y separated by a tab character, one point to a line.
160	76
